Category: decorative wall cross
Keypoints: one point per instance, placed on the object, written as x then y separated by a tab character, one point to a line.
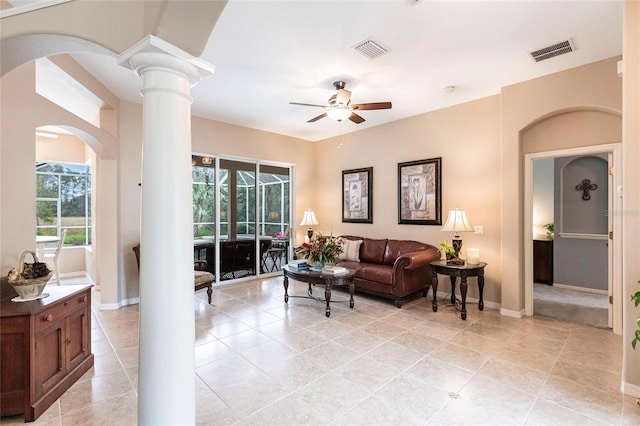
586	187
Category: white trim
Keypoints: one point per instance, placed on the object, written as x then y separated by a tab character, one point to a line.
615	266
583	236
17	10
630	389
583	289
513	314
122	303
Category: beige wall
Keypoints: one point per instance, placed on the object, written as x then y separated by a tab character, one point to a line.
573	129
466	137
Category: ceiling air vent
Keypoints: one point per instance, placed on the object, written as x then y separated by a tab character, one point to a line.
552	51
370	48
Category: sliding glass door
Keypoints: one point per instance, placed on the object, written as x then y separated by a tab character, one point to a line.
252	219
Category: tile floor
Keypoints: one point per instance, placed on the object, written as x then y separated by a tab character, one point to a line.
260	361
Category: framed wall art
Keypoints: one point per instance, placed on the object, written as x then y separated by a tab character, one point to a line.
357	195
419	192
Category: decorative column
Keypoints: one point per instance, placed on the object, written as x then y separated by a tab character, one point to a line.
166	363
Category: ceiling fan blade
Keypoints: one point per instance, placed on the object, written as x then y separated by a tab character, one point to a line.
373	105
343	96
323	115
311	105
356	118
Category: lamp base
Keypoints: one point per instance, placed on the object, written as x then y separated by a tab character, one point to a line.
456	242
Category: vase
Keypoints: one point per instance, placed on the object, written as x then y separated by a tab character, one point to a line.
317	266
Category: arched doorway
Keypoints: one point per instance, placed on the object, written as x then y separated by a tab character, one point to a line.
567	133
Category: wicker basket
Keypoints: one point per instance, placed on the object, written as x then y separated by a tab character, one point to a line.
29	279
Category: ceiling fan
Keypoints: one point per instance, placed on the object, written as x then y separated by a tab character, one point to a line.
340	106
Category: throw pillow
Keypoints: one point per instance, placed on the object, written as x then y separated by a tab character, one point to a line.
351	250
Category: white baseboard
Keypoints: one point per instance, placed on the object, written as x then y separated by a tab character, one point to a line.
76	274
114	306
512	314
630	389
578	288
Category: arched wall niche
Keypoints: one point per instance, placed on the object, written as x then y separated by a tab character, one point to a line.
584	210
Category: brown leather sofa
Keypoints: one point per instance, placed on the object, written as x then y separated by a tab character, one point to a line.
394	269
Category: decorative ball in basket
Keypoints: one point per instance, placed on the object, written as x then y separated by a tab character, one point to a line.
29	279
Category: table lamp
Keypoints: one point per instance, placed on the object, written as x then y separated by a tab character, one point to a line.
457	222
309	219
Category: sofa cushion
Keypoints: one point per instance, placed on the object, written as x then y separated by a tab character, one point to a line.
351	250
396	248
372	251
376	272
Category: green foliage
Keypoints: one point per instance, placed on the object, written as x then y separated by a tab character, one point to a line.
550	230
636	300
447	248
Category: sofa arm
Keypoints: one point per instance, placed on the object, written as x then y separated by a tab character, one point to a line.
416	259
412	272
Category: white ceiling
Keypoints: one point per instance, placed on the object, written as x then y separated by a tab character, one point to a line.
269	53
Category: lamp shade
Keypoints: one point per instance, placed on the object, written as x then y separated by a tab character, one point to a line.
457	222
309	218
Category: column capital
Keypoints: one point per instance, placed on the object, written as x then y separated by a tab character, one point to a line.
152	51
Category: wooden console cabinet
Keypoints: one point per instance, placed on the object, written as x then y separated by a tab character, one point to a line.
543	261
45	347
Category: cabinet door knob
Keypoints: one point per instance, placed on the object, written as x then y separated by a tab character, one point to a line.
48	318
83	299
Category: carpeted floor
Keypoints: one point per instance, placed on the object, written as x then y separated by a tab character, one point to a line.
570	305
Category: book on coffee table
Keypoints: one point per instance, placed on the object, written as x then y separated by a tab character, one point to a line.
332	269
299	264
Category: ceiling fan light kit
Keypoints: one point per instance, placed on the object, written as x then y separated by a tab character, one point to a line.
340	107
339	114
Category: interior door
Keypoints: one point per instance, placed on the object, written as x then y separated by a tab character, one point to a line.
611	208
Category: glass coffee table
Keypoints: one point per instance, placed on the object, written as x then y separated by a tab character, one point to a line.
318	277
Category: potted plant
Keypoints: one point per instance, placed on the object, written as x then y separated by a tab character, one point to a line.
321	250
636	300
635	297
450	254
549	228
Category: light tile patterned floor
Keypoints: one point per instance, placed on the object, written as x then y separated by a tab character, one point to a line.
261	361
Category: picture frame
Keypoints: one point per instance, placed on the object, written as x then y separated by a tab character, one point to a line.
357	195
420	192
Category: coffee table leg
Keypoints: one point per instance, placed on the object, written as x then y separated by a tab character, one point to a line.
463	291
352	288
327	296
286	288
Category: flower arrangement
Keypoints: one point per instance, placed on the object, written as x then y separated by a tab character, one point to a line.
322	249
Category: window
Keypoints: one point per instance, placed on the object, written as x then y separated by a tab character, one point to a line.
63	201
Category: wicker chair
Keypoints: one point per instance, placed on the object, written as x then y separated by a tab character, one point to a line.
201	278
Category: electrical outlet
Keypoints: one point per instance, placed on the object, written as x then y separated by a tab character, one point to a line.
478	229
